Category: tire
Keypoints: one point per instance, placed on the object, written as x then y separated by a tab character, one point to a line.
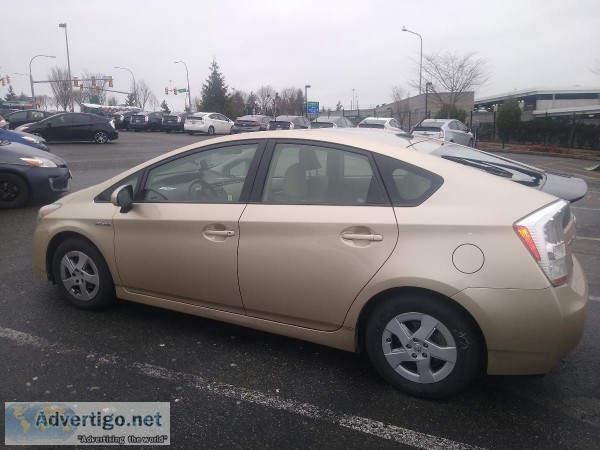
191	133
211	130
82	275
14	191
231	130
405	328
470	142
100	137
168	131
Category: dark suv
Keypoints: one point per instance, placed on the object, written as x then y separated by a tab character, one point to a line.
123	119
174	121
147	120
18	118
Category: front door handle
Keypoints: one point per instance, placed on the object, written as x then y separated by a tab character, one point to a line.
226	233
362	237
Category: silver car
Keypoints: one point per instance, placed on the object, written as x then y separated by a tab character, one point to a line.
450	130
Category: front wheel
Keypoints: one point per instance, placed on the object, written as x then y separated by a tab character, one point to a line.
14	191
423	346
471	142
82	275
100	137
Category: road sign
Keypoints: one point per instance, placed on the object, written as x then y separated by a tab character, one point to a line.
181	90
312	107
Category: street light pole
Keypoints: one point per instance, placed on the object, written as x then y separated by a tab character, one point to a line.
31	77
352	102
188	82
421	63
427	84
134	87
306	86
64	25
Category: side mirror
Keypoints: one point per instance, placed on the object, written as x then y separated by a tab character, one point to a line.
123	197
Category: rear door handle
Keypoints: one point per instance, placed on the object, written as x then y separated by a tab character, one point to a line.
362	237
225	233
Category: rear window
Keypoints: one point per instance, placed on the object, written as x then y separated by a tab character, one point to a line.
370	125
321	125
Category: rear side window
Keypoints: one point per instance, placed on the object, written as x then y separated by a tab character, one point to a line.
407	185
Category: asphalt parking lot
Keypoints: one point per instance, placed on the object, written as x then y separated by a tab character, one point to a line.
231	387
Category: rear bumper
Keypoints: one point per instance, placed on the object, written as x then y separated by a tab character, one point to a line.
528	331
172	126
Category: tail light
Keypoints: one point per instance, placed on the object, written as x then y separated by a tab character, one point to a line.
542	232
237	122
442	134
178	119
145	118
256	124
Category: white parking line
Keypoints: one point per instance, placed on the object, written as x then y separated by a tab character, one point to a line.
361	424
586	208
583	238
594	299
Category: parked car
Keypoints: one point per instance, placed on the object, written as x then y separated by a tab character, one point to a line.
73	127
27	173
450	130
3	124
437	271
174	121
209	123
289	123
331	122
122	119
382	123
24	138
251	123
18	118
7	111
147	121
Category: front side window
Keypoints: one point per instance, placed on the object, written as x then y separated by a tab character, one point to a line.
311	174
210	176
22	115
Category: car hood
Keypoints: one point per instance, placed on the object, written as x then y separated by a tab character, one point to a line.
564	186
25	151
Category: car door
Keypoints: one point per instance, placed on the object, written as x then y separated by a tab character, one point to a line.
17	119
56	128
180	240
224	124
465	136
317	229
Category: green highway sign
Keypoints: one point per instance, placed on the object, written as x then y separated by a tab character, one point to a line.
181	90
312	107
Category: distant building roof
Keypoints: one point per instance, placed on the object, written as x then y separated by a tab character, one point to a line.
538	91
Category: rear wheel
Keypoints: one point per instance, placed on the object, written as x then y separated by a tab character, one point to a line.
423	346
100	137
14	191
211	130
82	275
168	131
471	142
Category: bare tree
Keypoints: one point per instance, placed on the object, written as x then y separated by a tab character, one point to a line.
265	96
401	106
143	94
454	74
237	104
94	90
61	86
112	101
287	101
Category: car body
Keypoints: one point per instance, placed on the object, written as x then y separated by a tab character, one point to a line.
24	138
331	122
562	185
249	123
174	121
450	130
73	127
27	173
122	119
18	118
289	123
209	123
3	123
346	238
7	111
147	121
382	123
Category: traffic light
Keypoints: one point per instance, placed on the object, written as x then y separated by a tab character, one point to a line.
3	82
75	82
175	91
110	84
7	79
93	81
166	91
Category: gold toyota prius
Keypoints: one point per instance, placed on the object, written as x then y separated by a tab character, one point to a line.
354	239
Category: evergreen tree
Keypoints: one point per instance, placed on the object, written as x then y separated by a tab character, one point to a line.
338	107
10	95
251	104
448	111
509	116
214	90
130	99
164	107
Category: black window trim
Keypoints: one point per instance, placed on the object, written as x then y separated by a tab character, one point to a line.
267	157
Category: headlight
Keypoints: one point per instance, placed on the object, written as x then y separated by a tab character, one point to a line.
39	162
45	210
32	139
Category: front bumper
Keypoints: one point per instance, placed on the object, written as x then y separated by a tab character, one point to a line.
528	331
48	182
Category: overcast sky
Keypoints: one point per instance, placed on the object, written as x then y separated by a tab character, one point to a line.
334	46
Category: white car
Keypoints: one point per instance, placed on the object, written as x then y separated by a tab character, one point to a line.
384	123
3	124
450	130
208	122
